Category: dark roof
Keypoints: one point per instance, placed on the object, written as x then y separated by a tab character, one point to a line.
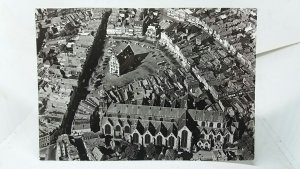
187	120
140	128
162	128
114	120
172	129
137	49
151	128
207	130
182	121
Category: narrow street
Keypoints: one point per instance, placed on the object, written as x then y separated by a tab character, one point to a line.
51	152
81	91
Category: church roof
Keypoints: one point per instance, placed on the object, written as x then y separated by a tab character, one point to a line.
151	128
140	128
162	128
166	120
145	111
172	129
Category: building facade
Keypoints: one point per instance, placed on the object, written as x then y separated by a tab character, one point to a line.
44	140
179	128
114	66
151	32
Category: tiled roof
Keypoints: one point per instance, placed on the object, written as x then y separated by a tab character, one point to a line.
203	115
207	130
151	128
140	128
172	129
145	111
161	118
162	128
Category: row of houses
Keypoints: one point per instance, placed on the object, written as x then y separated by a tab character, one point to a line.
135	29
125	23
186	15
44	140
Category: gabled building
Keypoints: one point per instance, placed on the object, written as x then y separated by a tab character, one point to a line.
138	28
178	128
114	66
151	32
130	57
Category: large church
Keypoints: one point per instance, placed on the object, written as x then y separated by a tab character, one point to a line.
178	128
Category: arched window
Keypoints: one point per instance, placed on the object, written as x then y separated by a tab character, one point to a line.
161	119
184	136
159	140
171	141
128	117
135	138
127	129
206	145
118	131
219	125
118	128
211	124
107	129
218	137
147	139
203	123
211	136
172	120
202	135
226	139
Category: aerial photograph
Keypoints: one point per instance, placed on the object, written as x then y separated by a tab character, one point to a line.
146	83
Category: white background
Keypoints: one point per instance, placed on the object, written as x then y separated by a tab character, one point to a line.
277	84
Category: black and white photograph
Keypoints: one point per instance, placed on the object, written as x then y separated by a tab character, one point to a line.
146	83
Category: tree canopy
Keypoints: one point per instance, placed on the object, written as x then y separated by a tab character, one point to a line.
131	152
170	154
246	143
150	151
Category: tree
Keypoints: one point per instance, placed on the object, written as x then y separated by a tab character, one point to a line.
42	54
141	153
246	144
131	152
186	155
106	151
242	127
95	120
124	144
161	156
150	151
107	140
118	148
160	151
170	154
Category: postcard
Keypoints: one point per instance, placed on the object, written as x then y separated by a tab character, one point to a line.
146	83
